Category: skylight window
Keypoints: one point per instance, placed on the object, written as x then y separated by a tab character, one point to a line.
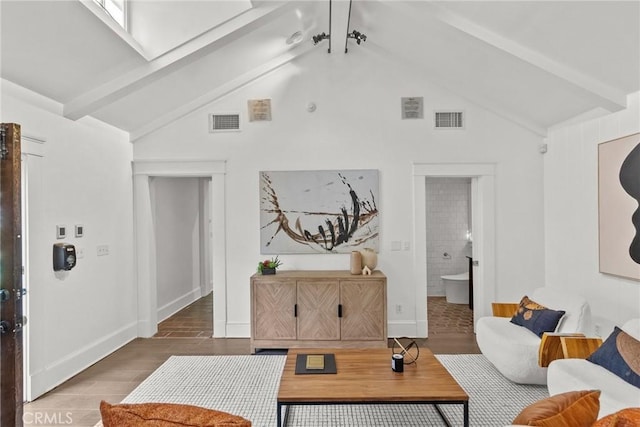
115	9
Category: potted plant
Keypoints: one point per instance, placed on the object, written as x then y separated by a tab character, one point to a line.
268	266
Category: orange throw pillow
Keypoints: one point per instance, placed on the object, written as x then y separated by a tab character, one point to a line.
629	417
573	408
166	415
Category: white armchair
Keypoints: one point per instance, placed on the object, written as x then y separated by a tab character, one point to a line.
514	350
573	373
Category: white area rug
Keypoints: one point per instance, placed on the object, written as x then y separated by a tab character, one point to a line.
248	385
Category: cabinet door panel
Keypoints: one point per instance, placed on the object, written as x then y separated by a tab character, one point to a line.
318	310
363	305
273	304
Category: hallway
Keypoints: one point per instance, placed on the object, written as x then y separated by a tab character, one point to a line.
193	321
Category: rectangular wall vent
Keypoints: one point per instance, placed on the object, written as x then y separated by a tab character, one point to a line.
449	120
224	122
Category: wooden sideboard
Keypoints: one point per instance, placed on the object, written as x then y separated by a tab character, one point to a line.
309	308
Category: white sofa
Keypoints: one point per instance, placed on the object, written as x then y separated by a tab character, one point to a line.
513	349
579	374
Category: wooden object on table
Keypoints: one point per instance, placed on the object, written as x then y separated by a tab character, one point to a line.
551	347
579	347
316	308
504	309
315	361
365	376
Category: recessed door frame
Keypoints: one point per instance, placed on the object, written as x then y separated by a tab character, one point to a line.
32	153
483	225
145	244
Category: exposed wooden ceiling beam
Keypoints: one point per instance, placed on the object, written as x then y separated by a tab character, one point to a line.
604	95
114	90
222	90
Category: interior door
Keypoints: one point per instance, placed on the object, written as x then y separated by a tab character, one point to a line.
11	292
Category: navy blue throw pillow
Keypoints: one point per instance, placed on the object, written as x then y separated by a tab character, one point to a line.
535	317
620	354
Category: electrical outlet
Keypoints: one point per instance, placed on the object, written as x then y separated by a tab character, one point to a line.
597	329
103	250
79	253
398	308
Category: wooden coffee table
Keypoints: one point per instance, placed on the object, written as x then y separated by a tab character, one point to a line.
365	377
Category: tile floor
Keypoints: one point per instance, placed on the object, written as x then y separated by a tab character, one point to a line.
445	318
76	402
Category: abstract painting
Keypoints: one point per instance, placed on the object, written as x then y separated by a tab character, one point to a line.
618	206
324	212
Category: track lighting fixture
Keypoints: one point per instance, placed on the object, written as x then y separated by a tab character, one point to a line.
323	36
318	38
357	35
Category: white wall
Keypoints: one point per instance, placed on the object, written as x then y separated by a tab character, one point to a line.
357	125
571	214
84	177
176	205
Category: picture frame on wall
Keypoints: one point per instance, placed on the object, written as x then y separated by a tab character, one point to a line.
319	212
618	207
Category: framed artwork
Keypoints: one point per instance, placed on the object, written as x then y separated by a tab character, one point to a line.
618	206
328	212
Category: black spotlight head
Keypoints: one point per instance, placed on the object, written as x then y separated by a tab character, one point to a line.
318	38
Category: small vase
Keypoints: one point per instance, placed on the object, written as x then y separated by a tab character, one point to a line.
369	258
266	271
356	262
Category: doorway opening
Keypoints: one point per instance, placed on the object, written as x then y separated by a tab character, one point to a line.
449	249
210	175
184	288
482	176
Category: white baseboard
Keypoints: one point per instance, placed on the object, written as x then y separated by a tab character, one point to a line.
406	328
238	330
178	304
61	370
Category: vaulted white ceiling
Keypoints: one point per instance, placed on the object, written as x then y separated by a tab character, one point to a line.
537	63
